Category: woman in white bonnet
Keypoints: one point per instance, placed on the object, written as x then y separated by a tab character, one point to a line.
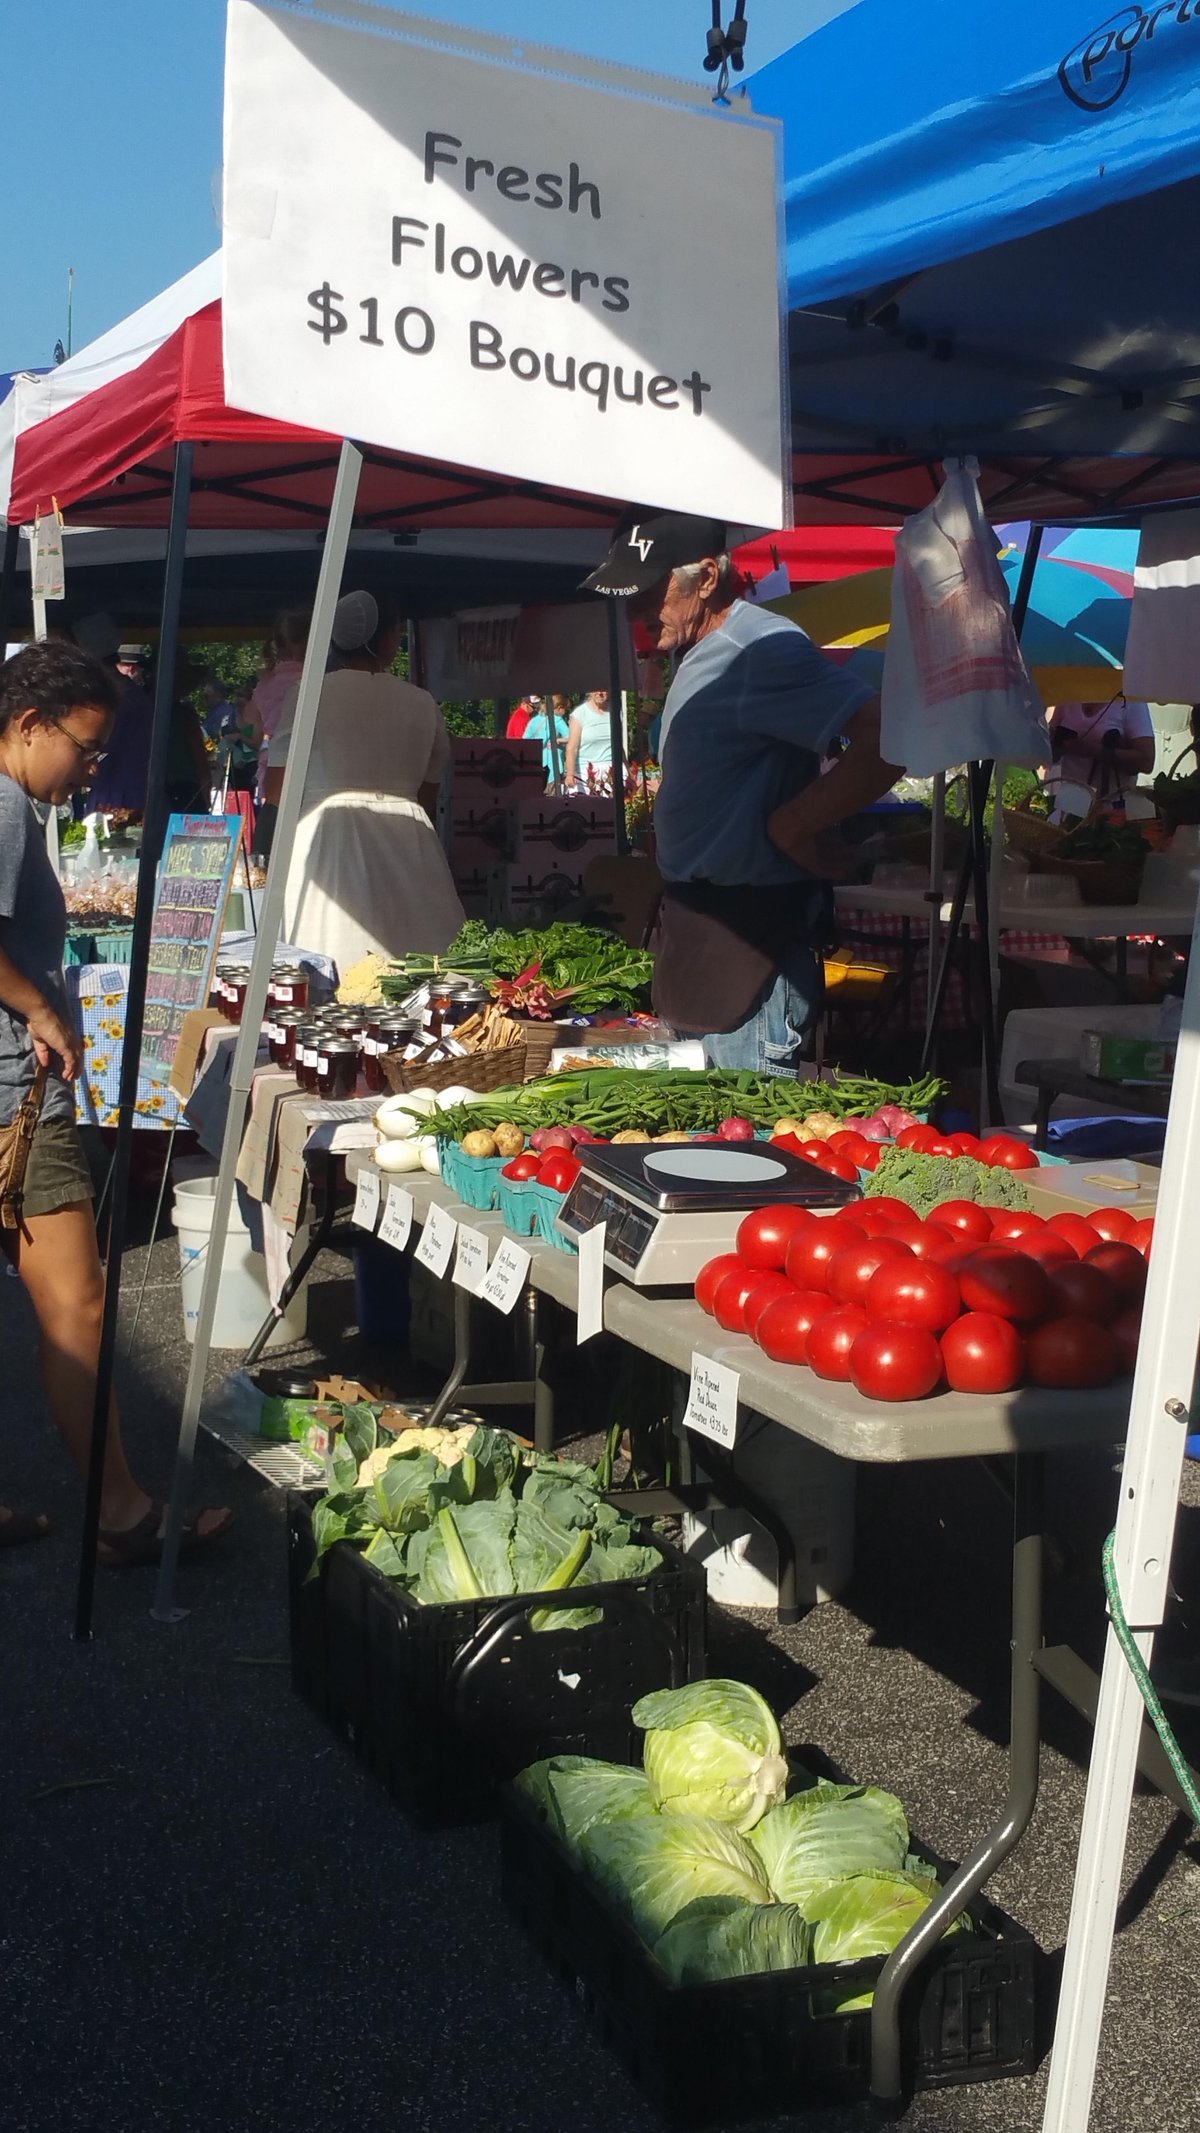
367	874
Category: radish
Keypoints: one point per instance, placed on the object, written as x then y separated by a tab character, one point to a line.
896	1118
551	1137
873	1129
735	1129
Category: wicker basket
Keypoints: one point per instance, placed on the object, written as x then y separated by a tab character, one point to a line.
1101	881
1031	834
481	1071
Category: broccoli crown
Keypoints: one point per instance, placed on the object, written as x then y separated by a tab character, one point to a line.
923	1182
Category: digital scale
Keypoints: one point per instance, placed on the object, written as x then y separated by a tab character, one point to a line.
669	1209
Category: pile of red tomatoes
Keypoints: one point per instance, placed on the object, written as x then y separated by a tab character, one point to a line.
851	1149
977	1299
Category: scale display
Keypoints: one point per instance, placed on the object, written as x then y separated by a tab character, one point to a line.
668	1210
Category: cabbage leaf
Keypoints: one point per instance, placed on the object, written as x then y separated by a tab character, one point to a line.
868	1914
827	1833
718	1936
574	1792
713	1749
654	1865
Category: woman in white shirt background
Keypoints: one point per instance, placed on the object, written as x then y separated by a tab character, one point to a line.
1100	751
367	874
589	740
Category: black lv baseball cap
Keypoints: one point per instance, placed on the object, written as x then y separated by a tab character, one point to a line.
648	545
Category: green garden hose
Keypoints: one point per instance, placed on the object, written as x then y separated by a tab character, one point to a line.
1139	1670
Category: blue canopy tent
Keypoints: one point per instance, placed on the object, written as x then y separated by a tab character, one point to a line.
983	255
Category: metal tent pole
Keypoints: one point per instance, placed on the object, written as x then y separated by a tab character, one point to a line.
1149	1498
616	722
135	1006
8	580
341	519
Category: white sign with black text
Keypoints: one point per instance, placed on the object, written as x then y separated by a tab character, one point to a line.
511	260
712	1408
367	1189
396	1226
506	1276
470	1259
437	1240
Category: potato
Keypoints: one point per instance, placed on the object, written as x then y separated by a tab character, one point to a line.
481	1142
619	1138
820	1124
787	1125
672	1136
509	1139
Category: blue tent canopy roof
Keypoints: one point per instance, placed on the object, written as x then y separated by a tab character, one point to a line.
989	220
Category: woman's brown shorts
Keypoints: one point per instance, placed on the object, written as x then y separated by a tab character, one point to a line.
56	1174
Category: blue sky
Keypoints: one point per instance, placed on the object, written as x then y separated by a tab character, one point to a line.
110	113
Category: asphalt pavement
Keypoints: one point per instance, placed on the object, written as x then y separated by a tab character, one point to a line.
210	1916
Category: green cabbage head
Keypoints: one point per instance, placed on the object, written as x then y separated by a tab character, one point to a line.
719	1937
827	1833
712	1748
653	1866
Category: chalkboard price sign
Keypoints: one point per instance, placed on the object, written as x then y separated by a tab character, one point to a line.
194	877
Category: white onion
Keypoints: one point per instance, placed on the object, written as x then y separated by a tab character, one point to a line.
396	1120
425	1100
398	1155
429	1156
448	1098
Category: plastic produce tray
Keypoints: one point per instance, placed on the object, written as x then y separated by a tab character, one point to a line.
445	1703
476	1179
755	2046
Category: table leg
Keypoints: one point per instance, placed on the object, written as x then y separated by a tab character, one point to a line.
461	1363
298	1274
1023	1766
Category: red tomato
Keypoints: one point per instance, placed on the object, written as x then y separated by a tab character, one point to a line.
876	1219
852	1145
812	1151
835	1166
522	1167
1070	1352
711	1274
1078	1234
1010	1228
910	1294
870	1159
809	1253
1124	1266
932	1243
1141	1236
559	1171
853	1267
732	1294
941	1145
1002	1152
783	1328
1113	1224
1080	1291
767	1290
895	1362
764	1236
830	1339
968	1221
918	1138
1126	1330
1004	1284
883	1203
968	1144
983	1353
1046	1246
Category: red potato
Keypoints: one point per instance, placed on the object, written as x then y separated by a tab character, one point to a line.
983	1353
736	1129
830	1340
853	1267
895	1362
1124	1266
783	1328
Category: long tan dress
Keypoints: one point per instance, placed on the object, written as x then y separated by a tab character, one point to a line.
367	874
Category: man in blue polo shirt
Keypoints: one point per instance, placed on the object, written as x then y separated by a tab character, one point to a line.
743	819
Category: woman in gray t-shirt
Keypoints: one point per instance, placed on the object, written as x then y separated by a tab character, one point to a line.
56	713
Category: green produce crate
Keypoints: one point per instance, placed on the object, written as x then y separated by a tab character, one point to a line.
475	1178
752	2047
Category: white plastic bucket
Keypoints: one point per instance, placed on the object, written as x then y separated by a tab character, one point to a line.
243	1300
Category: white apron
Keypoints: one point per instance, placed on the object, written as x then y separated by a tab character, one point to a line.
368	876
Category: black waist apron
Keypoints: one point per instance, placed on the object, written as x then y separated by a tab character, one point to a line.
719	948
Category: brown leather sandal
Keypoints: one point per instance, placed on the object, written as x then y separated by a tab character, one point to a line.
143	1543
21	1527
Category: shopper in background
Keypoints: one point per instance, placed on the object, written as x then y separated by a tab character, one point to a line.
589	741
281	673
122	778
1100	751
518	720
57	708
553	754
367	874
743	817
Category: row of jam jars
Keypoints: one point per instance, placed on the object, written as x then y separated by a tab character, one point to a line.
228	995
385	1035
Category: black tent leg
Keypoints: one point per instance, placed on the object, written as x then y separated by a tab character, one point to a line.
8	580
979	777
616	723
153	831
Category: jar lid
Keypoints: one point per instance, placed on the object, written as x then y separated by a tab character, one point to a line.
289	1015
337	1048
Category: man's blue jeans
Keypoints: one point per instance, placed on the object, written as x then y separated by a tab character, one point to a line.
771	1039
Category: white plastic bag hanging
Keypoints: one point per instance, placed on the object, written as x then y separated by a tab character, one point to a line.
955	686
48	571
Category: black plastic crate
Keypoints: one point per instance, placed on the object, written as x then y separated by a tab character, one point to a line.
756	2046
445	1703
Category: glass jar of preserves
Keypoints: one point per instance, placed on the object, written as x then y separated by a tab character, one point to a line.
307	1038
289	986
466	999
388	1033
282	1038
337	1068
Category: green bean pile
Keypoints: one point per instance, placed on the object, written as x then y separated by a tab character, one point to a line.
608	1100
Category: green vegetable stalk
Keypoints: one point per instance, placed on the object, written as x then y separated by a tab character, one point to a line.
563	1574
466	1583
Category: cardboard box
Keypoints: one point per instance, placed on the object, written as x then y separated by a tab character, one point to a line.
196	1026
